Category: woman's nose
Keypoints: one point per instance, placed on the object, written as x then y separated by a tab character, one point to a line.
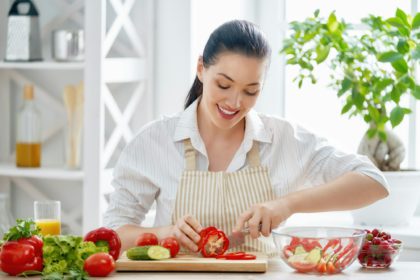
234	100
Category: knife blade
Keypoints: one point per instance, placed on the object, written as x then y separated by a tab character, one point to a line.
237	238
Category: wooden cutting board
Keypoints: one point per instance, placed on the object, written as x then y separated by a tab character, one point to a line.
194	263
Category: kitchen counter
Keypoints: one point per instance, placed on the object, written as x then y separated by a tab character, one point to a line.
277	270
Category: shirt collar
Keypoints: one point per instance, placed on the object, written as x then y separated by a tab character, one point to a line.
187	126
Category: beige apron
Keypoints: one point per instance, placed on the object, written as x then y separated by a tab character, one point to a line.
218	198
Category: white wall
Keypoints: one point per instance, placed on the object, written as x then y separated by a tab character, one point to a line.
182	29
172	55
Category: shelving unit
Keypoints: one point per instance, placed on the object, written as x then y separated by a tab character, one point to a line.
116	53
48	172
43	65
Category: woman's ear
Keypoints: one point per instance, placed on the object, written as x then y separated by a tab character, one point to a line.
200	68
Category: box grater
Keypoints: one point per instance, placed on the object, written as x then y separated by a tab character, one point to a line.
23	35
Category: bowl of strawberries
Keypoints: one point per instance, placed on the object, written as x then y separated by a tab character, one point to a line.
379	249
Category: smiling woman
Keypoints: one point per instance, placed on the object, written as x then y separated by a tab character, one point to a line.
221	164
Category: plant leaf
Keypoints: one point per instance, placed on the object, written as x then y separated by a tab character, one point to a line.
357	98
346	108
332	23
397	115
399	24
322	53
403	16
345	86
403	47
390	56
395	95
416	22
371	132
416	92
400	65
382	135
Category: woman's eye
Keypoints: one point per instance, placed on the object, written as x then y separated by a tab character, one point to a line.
251	93
223	87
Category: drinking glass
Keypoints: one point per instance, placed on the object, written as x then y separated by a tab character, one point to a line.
47	216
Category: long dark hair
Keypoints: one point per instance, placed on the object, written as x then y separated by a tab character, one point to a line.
238	36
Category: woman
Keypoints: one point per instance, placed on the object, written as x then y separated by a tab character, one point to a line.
219	163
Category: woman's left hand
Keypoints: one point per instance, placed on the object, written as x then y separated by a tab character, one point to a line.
269	214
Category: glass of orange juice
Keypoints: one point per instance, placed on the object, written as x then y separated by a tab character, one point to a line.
47	216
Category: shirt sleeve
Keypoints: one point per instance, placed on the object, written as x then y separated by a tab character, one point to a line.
326	163
133	193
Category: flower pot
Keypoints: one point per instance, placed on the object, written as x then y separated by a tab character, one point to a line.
398	208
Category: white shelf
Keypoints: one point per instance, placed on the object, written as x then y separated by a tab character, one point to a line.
47	172
42	65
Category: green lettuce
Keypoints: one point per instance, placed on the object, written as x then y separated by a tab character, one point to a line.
63	253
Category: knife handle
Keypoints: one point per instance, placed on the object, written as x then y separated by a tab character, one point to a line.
245	230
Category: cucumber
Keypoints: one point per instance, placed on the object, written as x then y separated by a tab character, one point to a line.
314	255
148	253
300	250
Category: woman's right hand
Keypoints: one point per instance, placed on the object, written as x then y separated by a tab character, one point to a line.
187	231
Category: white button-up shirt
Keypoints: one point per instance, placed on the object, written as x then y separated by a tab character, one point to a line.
150	167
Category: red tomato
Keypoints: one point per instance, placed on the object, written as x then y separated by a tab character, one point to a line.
99	265
147	238
171	244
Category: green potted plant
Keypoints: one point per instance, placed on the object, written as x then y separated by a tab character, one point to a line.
373	72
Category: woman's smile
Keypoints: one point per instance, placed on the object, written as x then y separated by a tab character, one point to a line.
226	113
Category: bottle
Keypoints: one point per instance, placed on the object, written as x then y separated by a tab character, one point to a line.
6	220
28	138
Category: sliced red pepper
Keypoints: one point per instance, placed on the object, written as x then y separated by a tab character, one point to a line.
213	242
347	258
335	245
346	249
237	256
309	244
103	234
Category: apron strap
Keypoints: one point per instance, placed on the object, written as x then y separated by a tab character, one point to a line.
253	156
189	153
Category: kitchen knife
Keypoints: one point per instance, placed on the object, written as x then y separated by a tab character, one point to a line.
238	238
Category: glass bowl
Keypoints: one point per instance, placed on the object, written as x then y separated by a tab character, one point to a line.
318	250
381	255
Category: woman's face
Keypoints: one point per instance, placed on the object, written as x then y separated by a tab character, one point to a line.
230	87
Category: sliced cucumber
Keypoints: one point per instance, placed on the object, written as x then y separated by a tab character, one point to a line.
300	258
148	253
314	255
300	250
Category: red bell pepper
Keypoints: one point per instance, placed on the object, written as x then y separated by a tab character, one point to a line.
213	242
35	241
237	256
19	257
106	236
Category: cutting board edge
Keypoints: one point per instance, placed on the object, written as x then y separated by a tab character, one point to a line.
228	267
